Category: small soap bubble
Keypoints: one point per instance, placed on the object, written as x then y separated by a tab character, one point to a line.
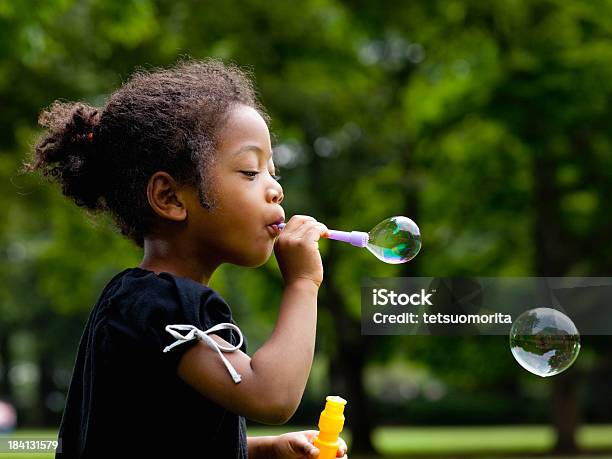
544	341
395	240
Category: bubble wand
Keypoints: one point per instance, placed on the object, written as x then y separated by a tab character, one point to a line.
394	240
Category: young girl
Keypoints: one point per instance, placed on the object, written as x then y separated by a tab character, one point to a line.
181	158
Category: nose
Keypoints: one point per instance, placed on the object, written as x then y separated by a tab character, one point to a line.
275	194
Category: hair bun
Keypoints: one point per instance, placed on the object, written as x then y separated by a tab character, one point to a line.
66	151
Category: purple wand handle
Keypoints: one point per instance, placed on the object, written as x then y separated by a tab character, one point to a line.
355	238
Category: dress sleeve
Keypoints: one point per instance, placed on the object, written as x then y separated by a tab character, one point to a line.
170	314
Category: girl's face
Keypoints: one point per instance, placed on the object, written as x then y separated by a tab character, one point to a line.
248	197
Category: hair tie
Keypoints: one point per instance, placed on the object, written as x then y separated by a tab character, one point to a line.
90	136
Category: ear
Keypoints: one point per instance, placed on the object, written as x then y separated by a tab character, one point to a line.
163	197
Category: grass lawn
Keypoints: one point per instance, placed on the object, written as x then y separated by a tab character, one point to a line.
435	441
482	440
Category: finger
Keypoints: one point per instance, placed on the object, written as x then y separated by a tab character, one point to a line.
314	231
301	444
302	231
342	448
296	221
310	450
299	231
324	230
311	434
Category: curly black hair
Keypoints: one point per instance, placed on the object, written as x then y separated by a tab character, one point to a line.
159	120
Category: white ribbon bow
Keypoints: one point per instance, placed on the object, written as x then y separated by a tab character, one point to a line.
195	333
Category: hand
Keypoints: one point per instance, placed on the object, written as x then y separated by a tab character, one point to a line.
300	445
297	250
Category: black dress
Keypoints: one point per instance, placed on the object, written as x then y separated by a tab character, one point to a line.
125	395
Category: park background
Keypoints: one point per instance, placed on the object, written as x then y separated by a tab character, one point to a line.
485	122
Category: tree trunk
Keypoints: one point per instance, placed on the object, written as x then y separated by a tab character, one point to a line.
565	414
350	362
551	261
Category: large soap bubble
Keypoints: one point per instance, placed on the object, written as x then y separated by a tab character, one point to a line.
395	240
544	341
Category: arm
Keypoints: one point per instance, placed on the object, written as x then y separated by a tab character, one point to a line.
273	381
259	447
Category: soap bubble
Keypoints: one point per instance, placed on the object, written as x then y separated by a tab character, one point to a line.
395	240
544	341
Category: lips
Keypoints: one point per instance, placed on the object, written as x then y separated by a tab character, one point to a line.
273	228
277	221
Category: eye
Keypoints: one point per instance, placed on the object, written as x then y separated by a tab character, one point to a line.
251	174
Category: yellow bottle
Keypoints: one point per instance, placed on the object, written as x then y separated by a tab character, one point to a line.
330	426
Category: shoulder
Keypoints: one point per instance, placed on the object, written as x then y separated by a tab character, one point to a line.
142	307
143	299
